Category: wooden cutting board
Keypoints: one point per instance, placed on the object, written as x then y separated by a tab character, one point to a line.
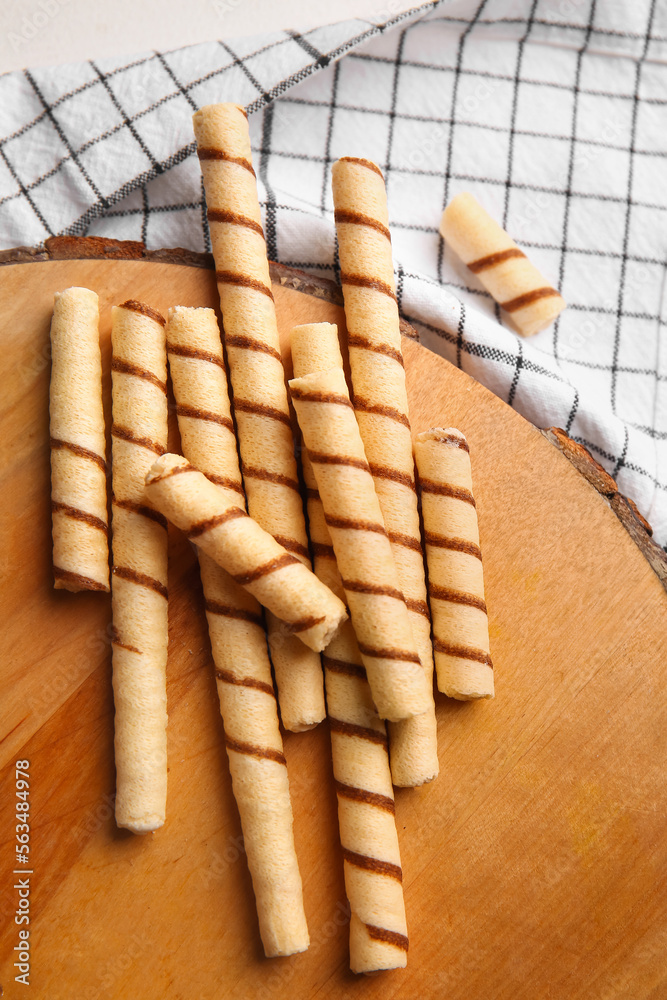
534	867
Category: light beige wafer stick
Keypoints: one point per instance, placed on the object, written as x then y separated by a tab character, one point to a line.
504	270
456	583
381	405
78	447
372	865
361	545
258	380
139	578
251	556
238	642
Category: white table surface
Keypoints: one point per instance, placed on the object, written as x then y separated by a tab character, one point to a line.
48	32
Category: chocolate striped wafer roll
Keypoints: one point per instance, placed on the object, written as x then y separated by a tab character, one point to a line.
381	405
260	399
362	548
504	270
139	576
371	856
456	584
238	642
78	447
251	556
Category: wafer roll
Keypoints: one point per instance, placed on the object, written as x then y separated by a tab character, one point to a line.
504	270
78	447
251	556
139	578
371	857
456	584
258	380
238	642
381	404
361	545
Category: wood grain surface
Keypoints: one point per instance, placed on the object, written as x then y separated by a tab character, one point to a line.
535	867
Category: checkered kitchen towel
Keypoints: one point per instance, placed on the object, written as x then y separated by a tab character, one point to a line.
552	112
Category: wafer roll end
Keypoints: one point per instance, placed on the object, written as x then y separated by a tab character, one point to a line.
315	348
504	270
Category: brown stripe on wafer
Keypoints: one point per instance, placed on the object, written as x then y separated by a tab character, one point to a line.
292	545
492	259
407	541
343	667
270	477
140	307
227	611
181	351
84	582
363	732
140	508
319	458
419	607
270	567
322	550
381	411
358	219
322	397
220	215
250	344
129	368
406	656
312	493
76	449
359	587
206	153
384	472
242	281
303	624
126	573
183	410
373	865
124	645
248	682
79	515
127	435
363	795
456	597
214	522
445	490
262	410
363	163
455	544
463	652
355	340
453	440
355	525
248	748
389	937
230	484
359	281
521	301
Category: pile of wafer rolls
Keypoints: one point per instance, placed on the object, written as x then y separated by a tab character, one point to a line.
339	553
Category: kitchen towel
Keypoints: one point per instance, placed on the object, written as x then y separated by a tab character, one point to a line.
553	113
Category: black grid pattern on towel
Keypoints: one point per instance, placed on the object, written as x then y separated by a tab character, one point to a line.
555	118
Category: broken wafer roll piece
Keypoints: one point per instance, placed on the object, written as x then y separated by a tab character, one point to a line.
139	577
238	643
260	402
251	556
78	447
463	662
359	746
504	270
362	548
381	405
